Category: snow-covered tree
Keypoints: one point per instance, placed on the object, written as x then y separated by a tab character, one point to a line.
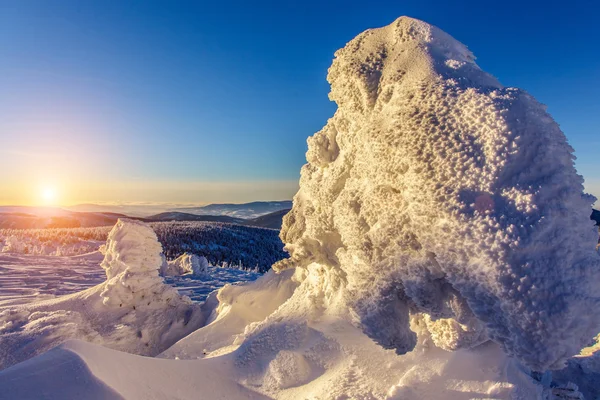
436	191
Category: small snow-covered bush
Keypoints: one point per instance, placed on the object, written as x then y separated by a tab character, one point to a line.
185	264
13	245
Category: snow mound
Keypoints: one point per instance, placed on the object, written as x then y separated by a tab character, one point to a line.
435	190
132	311
185	264
78	370
230	311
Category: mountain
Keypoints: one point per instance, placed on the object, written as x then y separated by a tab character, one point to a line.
16	217
273	220
90	215
245	211
40	211
133	210
180	216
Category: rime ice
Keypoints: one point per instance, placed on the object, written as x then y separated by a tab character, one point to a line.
436	190
185	264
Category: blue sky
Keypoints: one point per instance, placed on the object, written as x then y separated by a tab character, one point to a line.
166	101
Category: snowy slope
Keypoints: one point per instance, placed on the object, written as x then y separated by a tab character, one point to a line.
25	278
79	370
441	248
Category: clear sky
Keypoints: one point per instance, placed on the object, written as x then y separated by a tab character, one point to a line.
210	101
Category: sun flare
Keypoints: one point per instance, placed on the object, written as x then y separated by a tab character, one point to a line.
48	195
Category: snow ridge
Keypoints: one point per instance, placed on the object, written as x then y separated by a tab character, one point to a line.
436	193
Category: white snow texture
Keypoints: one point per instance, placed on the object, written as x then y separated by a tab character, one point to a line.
132	311
437	193
185	264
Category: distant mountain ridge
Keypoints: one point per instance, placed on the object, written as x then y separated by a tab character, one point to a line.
245	211
272	220
258	214
180	216
32	218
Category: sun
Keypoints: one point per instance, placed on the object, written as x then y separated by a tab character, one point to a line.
48	195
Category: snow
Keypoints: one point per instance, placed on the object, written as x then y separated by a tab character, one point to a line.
86	371
440	245
133	310
435	190
185	264
339	362
230	311
29	278
12	244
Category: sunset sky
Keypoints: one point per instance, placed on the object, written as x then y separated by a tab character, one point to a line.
198	102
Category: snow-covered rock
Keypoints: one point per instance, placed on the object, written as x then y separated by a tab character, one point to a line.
132	311
434	189
185	264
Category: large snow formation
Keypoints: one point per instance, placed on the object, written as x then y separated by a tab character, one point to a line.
132	311
436	190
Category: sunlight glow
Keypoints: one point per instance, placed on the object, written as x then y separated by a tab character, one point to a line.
49	195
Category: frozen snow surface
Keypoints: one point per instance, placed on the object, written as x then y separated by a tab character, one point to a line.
440	244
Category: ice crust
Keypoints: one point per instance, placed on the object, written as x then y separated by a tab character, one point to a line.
434	192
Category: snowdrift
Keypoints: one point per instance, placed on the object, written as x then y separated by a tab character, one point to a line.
79	370
132	311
